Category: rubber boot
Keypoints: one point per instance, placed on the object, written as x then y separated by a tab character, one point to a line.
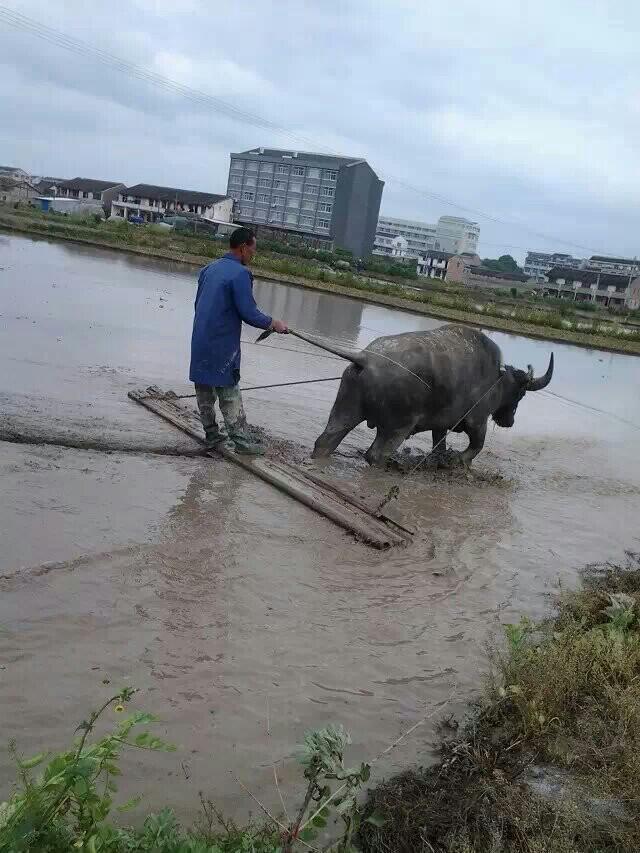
216	440
244	444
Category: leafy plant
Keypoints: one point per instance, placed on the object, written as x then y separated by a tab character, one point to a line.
67	805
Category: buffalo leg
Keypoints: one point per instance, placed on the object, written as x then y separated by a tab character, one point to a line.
332	436
386	442
439	439
476	434
346	414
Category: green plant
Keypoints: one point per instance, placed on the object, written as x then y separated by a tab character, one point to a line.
322	756
66	807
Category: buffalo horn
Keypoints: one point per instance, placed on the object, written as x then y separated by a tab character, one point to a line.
540	382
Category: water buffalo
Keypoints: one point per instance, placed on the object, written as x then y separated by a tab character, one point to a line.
451	378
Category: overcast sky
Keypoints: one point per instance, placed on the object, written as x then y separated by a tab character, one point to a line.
528	112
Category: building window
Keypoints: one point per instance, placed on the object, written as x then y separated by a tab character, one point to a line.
325	208
298	171
275	216
291	217
310	189
266	168
260	214
330	175
97	196
238	165
293	202
235	179
280	185
252	166
313	173
308	205
306	220
249	182
246	211
263	197
323	223
277	201
328	191
282	170
264	182
247	196
295	187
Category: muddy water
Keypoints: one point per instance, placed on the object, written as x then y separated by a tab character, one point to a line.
243	617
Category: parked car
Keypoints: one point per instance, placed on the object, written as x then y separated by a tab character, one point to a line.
136	220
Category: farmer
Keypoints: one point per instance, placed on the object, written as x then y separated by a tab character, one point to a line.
223	301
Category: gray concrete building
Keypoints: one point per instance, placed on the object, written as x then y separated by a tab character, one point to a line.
334	200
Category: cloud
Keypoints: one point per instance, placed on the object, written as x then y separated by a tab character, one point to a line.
528	112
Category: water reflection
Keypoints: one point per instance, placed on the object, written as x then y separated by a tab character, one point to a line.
86	278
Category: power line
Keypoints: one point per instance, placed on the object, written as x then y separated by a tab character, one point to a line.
74	45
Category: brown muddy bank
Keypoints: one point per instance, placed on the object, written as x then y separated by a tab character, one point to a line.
245	618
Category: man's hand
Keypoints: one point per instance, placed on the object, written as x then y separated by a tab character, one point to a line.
280	327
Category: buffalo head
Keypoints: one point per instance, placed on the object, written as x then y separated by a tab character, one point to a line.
515	384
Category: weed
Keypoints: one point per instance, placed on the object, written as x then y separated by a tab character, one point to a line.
565	695
69	805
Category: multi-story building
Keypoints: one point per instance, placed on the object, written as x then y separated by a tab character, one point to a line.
451	234
538	264
16	189
419	236
91	190
434	264
14	173
458	235
605	263
591	285
332	199
468	269
153	203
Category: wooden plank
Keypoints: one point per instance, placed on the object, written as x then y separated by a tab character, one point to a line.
319	495
359	502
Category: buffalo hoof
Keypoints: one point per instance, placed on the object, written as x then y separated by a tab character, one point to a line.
320	453
450	460
374	461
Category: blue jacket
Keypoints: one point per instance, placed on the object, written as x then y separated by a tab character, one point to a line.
223	301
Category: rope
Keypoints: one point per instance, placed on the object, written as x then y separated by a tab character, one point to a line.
276	385
591	409
457	423
368	352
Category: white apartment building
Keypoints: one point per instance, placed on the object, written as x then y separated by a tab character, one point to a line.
450	234
419	237
458	235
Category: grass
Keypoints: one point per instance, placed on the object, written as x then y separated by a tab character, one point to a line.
564	697
449	302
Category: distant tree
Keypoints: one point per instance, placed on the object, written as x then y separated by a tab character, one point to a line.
505	263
